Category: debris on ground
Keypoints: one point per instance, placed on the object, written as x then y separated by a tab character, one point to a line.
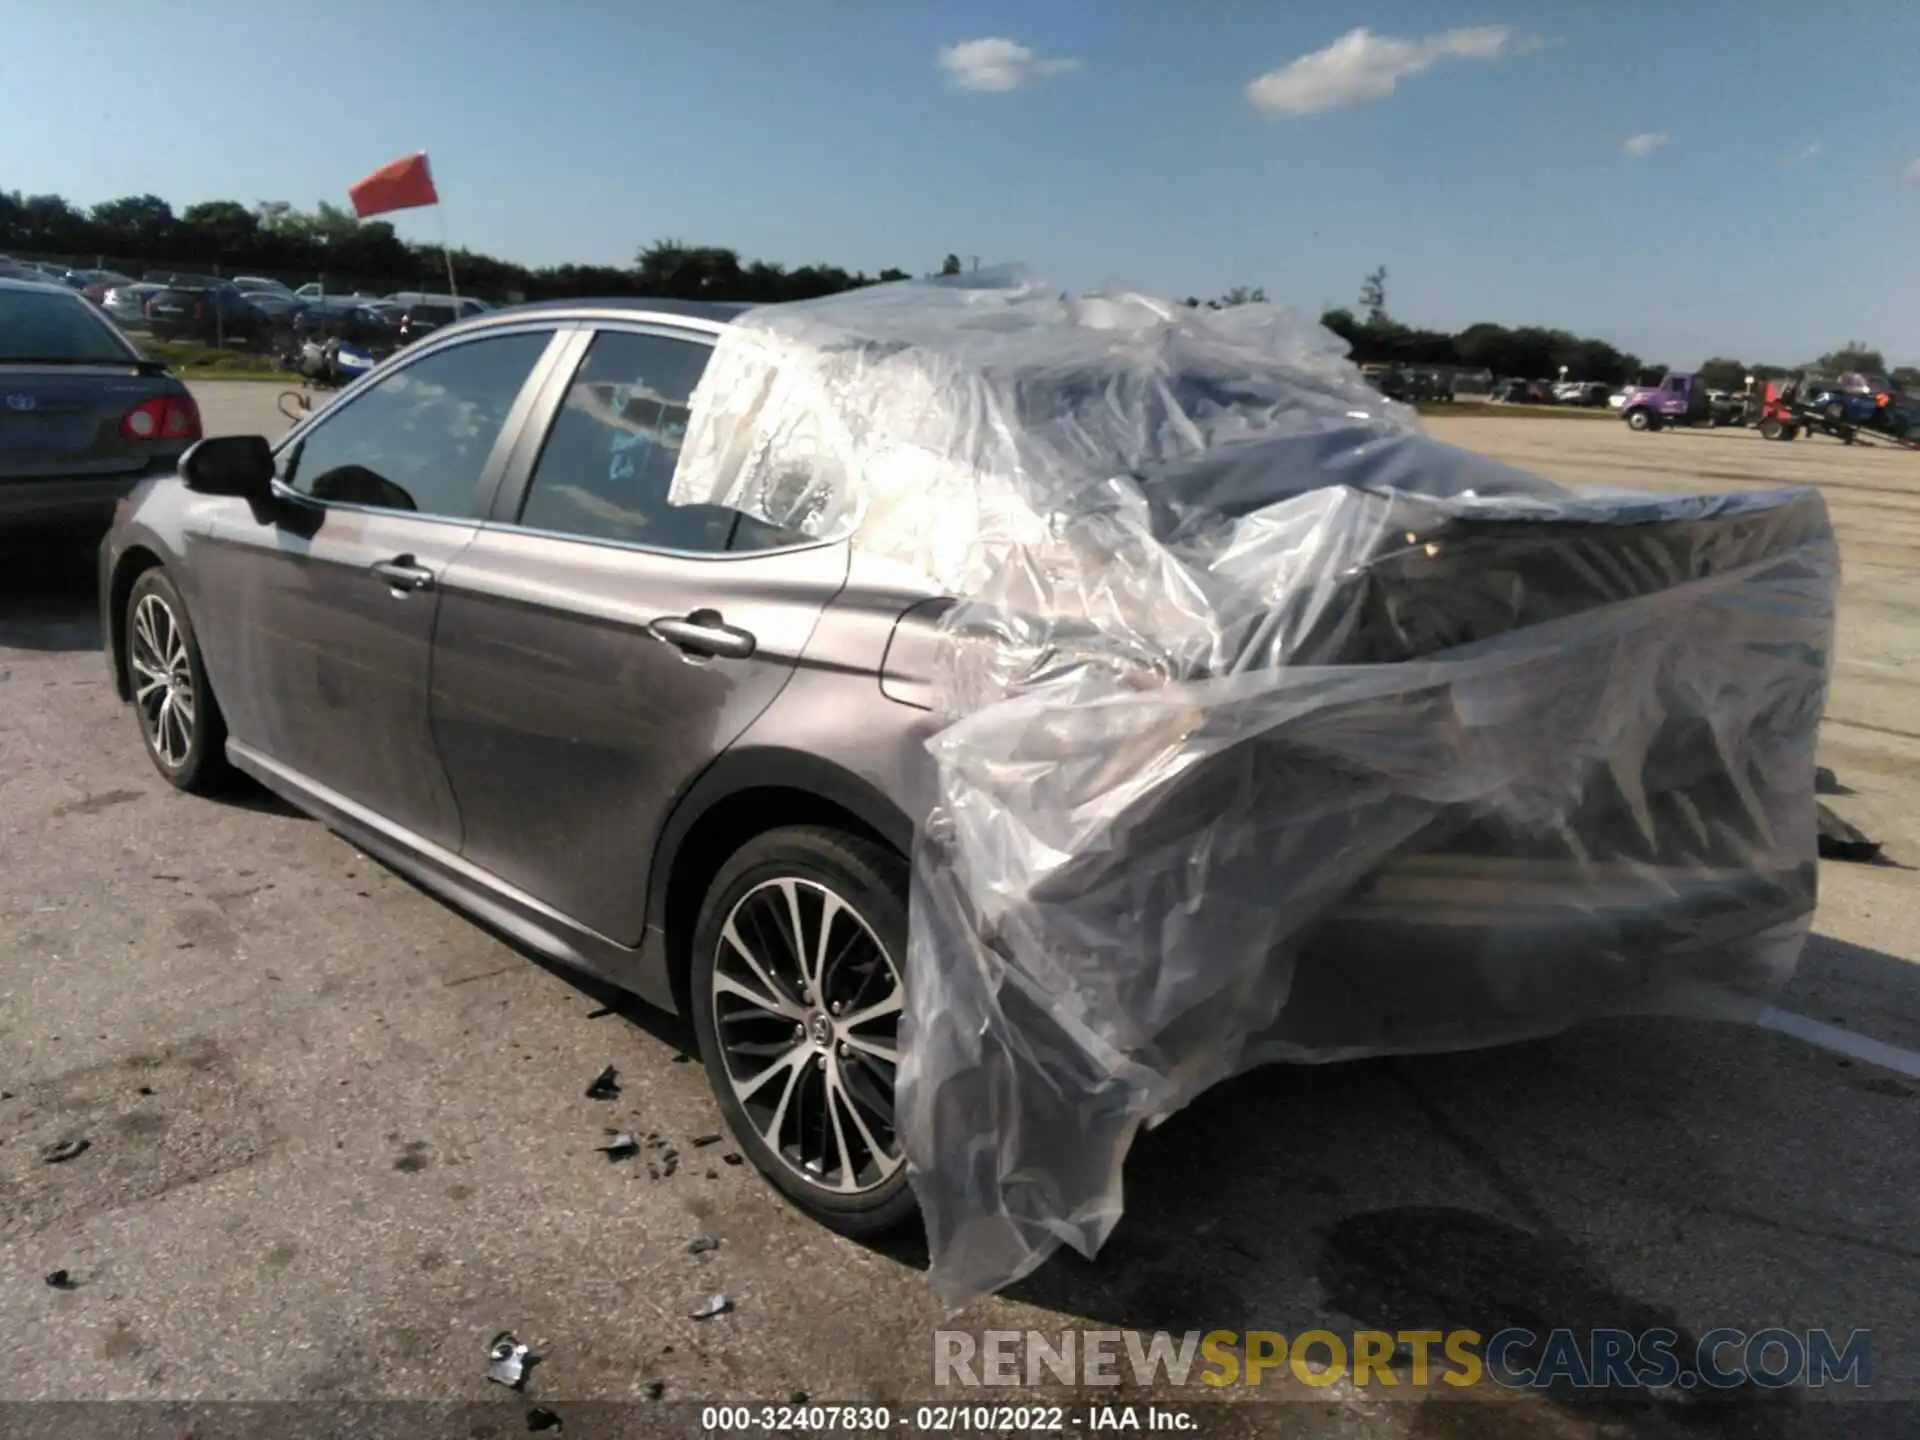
732	1157
712	1137
683	1059
1841	841
63	1150
508	1360
61	1280
669	1163
656	1388
703	1245
601	1013
1825	782
144	1090
618	1145
713	1174
799	1397
541	1418
655	1140
715	1304
605	1086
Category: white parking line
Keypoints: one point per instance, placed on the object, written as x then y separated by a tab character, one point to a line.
1843	1042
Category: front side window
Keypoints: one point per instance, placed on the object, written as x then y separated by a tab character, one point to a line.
607	466
420	438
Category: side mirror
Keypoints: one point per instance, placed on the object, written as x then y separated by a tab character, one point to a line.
239	465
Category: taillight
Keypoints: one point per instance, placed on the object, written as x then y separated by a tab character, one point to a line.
165	417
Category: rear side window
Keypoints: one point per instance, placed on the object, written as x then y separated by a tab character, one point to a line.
608	462
419	439
37	325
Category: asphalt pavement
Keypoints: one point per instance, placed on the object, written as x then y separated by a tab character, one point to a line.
338	1135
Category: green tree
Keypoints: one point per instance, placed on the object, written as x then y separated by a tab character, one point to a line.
48	222
951	265
225	225
1854	355
140	219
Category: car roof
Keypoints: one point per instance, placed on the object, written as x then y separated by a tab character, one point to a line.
51	286
714	314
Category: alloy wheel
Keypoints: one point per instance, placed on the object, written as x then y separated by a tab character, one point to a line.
162	680
806	1007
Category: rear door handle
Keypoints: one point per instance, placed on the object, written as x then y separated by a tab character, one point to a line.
704	632
403	572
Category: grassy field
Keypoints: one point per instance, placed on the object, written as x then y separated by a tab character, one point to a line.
191	360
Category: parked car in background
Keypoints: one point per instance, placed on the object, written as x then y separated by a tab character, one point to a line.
465	305
217	314
314	290
1588	394
418	318
127	304
361	324
251	283
94	284
1515	391
269	297
86	416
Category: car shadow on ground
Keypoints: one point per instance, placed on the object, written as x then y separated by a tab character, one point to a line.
1629	1174
48	593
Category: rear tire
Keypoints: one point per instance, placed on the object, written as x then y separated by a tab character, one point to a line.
1772	430
180	721
801	1041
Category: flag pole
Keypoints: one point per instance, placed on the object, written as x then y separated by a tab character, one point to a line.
446	253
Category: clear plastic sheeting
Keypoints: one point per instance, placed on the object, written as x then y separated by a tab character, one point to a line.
1276	729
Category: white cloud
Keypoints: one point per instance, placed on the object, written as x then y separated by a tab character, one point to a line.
1362	68
1912	172
997	64
1804	153
1638	147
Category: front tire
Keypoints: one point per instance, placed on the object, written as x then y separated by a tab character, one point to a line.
798	980
1640	420
180	722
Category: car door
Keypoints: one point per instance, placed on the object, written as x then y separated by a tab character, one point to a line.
597	647
320	609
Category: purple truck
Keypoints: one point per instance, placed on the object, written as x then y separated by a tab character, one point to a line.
1679	399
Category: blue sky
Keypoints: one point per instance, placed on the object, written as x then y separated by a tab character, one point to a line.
1479	151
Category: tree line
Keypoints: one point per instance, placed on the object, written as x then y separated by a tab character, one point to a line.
329	242
1536	353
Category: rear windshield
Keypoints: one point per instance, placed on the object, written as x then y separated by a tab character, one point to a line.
37	325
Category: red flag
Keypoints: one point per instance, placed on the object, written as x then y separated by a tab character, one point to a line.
399	185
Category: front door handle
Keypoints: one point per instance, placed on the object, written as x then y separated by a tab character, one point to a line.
705	633
403	572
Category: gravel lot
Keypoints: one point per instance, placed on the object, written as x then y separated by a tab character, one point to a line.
338	1135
